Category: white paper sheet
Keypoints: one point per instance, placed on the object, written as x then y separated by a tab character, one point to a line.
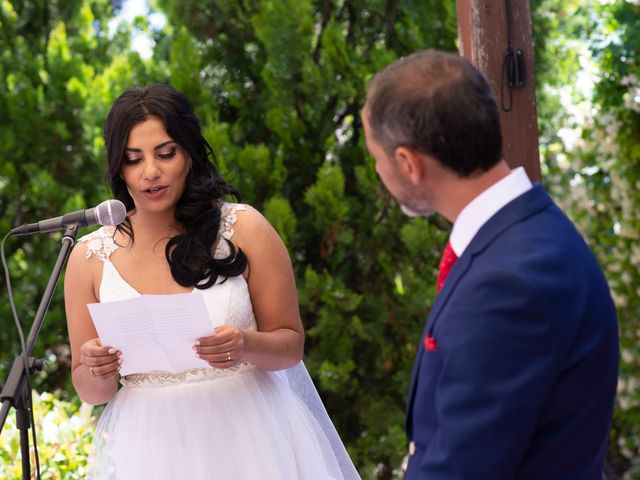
154	332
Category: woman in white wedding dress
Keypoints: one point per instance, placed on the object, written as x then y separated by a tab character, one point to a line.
251	412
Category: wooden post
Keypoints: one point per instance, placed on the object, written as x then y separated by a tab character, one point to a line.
483	37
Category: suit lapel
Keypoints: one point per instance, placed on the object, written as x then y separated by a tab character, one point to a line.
522	207
519	209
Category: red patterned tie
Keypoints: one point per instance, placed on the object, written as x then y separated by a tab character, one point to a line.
449	257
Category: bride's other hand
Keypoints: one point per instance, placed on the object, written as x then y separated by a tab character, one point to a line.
223	349
101	362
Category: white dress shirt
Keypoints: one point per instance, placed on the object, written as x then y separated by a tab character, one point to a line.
479	210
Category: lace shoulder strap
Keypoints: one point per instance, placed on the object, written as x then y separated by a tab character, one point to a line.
100	243
227	219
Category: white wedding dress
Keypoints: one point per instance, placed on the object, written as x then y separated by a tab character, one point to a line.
208	423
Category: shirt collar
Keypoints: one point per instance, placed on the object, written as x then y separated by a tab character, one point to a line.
479	210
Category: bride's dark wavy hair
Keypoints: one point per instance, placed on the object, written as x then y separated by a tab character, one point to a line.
189	253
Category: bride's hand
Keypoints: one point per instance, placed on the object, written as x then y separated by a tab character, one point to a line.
102	362
223	349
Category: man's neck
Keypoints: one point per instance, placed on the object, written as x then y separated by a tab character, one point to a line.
458	192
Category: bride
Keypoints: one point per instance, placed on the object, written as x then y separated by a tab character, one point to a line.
253	413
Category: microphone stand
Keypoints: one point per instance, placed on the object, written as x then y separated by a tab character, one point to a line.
15	391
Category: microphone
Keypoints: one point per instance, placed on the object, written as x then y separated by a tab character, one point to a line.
109	212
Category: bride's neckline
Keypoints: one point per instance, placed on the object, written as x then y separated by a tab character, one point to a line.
131	287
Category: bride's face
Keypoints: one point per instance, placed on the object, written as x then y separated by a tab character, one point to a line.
155	167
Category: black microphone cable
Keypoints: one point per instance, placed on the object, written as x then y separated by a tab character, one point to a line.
25	358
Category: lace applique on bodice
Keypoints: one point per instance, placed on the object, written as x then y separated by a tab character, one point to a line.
227	302
101	243
228	218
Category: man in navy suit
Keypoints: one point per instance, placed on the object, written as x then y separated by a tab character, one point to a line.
516	373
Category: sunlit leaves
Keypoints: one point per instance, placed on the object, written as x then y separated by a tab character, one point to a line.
65	433
591	148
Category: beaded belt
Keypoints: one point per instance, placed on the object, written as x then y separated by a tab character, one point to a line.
191	375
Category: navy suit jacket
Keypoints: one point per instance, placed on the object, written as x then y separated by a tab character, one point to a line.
523	380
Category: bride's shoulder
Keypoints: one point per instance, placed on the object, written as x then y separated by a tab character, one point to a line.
237	216
88	254
244	222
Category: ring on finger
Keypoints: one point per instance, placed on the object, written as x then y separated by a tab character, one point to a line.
228	356
91	372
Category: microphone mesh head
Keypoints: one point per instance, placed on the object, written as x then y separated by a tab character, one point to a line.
111	212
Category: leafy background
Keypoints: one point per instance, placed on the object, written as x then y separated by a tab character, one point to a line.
278	86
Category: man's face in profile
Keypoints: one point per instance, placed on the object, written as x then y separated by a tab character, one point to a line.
391	177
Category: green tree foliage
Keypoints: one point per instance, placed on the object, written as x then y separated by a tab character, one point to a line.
65	431
43	152
287	80
279	86
59	67
591	158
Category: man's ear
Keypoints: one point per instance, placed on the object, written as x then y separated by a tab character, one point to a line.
410	164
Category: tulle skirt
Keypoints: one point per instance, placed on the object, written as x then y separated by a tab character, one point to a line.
249	425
